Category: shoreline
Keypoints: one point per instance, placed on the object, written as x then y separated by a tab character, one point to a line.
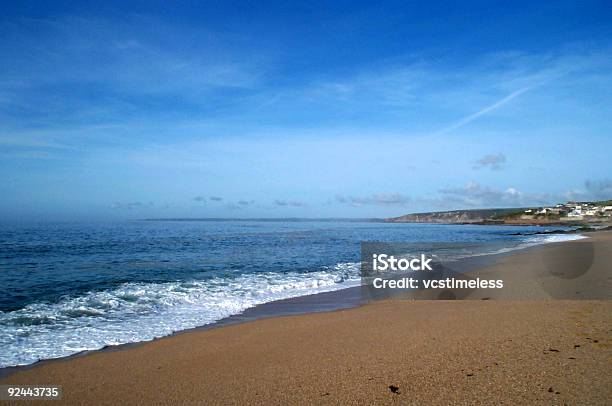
326	301
433	351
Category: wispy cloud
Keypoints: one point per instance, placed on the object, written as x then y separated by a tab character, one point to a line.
478	196
491	161
599	189
29	141
290	203
470	195
130	205
113	71
383	199
466	120
594	189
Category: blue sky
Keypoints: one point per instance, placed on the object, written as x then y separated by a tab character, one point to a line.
349	109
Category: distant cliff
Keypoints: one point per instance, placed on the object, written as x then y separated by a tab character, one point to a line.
457	216
570	213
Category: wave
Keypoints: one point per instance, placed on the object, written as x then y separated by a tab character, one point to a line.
527	242
136	312
532	241
563	237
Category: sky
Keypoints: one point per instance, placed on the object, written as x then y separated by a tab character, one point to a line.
128	110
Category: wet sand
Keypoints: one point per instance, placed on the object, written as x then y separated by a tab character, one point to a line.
528	343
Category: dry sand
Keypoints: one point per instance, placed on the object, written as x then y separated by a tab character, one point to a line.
532	346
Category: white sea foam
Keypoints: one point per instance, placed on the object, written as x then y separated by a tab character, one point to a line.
563	237
137	312
545	239
529	242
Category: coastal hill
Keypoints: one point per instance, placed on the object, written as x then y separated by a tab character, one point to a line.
454	216
564	213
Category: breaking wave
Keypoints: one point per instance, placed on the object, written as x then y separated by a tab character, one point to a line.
136	312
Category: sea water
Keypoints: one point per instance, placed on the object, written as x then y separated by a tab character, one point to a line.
66	288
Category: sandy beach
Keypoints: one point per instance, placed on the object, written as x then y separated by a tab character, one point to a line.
546	338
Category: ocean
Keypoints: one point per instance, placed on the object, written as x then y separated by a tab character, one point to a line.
67	288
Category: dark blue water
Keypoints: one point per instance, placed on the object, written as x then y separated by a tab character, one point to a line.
71	287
